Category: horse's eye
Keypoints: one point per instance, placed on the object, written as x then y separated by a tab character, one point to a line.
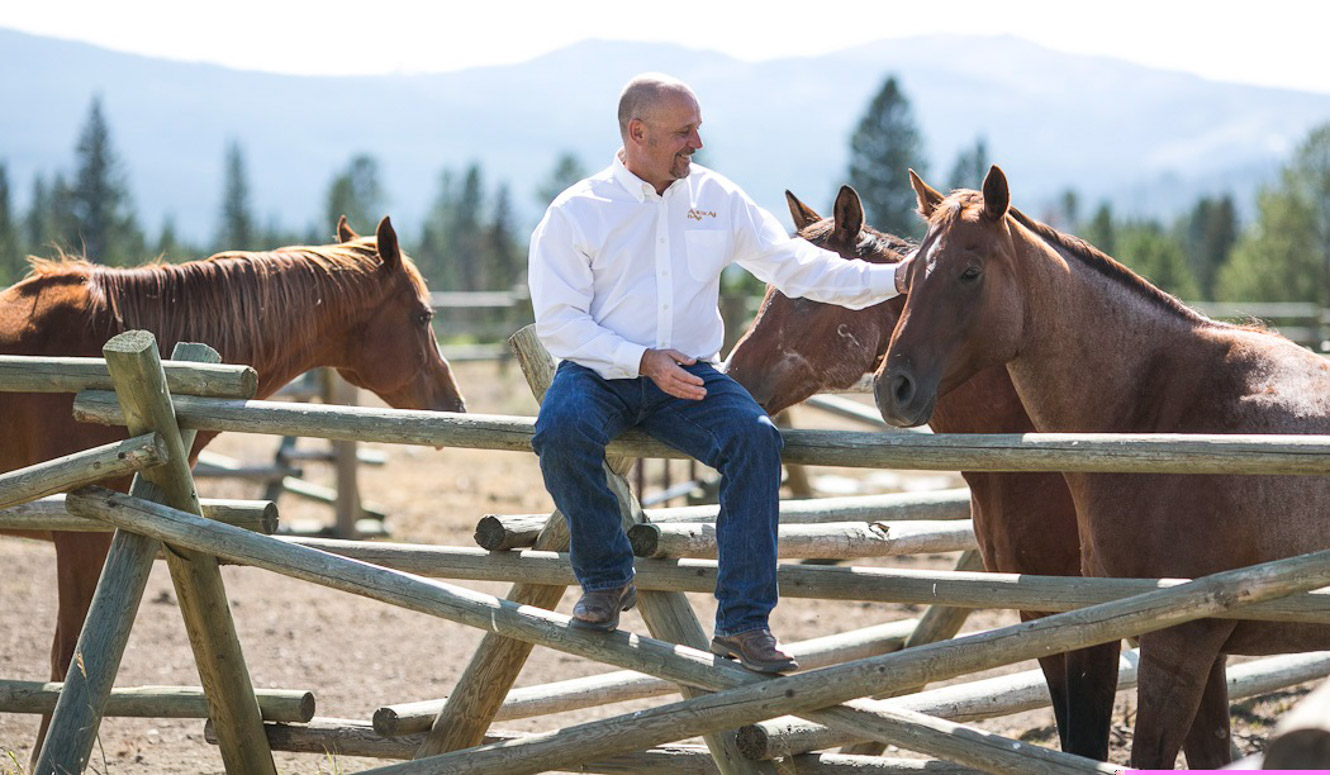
424	318
970	274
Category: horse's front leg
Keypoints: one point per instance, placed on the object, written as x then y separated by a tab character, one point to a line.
1092	687
1209	744
1176	666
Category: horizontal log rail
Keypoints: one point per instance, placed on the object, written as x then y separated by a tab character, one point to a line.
830	540
1086	452
345	737
960	589
49	514
1016	693
30	374
498	532
285	705
745	697
81	468
624	685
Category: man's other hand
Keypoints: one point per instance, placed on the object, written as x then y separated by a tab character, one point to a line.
662	366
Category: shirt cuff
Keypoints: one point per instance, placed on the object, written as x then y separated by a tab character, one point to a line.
628	359
882	280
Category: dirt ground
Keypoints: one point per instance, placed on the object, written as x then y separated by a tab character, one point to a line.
357	654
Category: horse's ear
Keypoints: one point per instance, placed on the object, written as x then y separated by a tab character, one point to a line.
344	231
389	252
997	197
928	197
802	214
849	214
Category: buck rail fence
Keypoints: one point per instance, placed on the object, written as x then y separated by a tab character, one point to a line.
719	696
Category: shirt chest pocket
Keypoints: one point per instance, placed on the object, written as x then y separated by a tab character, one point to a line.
708	253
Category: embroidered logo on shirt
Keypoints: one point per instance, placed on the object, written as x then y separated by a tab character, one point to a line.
697	215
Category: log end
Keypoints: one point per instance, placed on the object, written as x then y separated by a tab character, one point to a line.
753	743
385	721
490	534
645	539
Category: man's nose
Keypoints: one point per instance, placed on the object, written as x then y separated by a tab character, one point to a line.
695	142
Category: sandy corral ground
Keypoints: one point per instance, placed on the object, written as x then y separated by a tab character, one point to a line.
357	654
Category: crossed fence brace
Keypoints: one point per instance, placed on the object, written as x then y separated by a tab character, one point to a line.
162	507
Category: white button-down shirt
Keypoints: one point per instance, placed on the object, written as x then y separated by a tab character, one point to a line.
616	269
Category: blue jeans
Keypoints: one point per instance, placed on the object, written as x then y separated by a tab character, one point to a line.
727	430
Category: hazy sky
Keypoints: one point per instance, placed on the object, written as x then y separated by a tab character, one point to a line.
1273	43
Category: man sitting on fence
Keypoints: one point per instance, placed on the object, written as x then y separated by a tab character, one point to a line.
625	280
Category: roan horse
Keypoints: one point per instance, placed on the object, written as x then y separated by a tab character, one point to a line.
1024	522
359	306
1092	347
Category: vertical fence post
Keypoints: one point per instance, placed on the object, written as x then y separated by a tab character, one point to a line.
136	370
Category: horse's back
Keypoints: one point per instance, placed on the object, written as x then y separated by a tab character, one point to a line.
1267	384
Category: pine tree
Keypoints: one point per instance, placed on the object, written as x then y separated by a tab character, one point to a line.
1100	230
467	240
236	231
103	226
1285	254
505	256
1157	257
168	244
885	145
432	256
970	167
356	193
37	229
567	171
11	255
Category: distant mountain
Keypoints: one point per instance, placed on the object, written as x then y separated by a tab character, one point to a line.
1149	140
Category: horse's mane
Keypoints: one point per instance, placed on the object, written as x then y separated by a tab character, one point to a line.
237	302
873	244
1080	250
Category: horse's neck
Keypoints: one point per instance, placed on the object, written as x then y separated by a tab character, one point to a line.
1093	347
303	334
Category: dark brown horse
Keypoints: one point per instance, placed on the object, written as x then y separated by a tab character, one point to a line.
1024	522
1092	347
359	306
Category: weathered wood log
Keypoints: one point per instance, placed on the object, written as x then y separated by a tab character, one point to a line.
938	623
344	737
461	721
830	540
49	514
135	368
499	532
28	374
1159	453
75	470
861	583
804	693
607	688
667	614
757	697
1005	695
286	705
1302	737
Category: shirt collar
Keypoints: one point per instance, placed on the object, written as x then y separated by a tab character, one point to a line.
630	182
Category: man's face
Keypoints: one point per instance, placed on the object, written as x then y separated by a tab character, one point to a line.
669	138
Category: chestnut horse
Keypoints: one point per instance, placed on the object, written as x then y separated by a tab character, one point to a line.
359	306
1024	522
1092	347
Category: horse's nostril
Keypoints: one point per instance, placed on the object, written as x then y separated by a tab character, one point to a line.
902	388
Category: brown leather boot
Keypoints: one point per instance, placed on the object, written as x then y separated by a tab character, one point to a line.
599	610
756	650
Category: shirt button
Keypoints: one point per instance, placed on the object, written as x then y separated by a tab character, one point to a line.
661	240
664	306
664	273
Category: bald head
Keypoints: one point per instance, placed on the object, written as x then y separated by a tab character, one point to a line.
644	93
